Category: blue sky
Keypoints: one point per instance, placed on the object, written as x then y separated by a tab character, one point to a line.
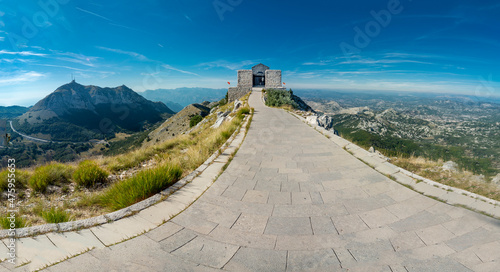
423	46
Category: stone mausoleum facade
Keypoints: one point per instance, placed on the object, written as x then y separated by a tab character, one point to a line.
259	77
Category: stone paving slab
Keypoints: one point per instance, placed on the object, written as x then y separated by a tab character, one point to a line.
206	252
75	242
28	249
118	231
243	239
250	259
324	259
294	200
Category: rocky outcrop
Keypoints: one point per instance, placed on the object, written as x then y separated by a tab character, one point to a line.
221	117
78	113
301	104
177	124
237	104
325	121
496	179
450	166
74	98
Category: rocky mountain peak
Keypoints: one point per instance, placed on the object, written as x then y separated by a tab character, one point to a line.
87	105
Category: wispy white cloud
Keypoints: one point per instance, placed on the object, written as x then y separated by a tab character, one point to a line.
146	59
50	54
319	63
22	53
15	60
20	77
410	55
86	73
61	66
383	61
169	67
89	61
123	52
124	26
94	14
228	65
111	22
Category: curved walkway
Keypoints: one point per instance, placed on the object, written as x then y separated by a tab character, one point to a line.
34	139
291	200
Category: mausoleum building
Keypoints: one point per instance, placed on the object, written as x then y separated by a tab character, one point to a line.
260	76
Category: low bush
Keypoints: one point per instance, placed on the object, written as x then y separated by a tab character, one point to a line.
51	174
243	111
141	186
55	215
224	100
88	174
20	179
279	98
195	120
5	222
134	158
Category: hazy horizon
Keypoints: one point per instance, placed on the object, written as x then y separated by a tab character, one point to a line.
302	91
403	46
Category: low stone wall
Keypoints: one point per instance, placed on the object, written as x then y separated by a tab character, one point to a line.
235	93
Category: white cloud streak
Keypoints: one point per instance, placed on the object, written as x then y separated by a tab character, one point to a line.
22	53
123	52
21	77
146	59
226	64
169	67
94	14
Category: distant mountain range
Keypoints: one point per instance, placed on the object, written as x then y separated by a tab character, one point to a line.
460	128
179	98
74	112
12	111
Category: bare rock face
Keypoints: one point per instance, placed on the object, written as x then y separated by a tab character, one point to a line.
301	104
325	121
75	101
450	166
312	119
237	105
496	179
177	124
221	117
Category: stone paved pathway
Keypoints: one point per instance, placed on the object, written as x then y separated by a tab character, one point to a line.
292	200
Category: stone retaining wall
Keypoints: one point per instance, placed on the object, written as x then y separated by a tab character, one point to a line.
235	93
273	78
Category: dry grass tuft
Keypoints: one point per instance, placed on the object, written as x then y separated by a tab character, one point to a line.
460	179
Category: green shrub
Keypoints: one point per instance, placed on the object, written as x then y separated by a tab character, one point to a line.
21	179
244	110
278	98
224	100
89	173
19	222
51	174
55	215
195	120
139	187
226	134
